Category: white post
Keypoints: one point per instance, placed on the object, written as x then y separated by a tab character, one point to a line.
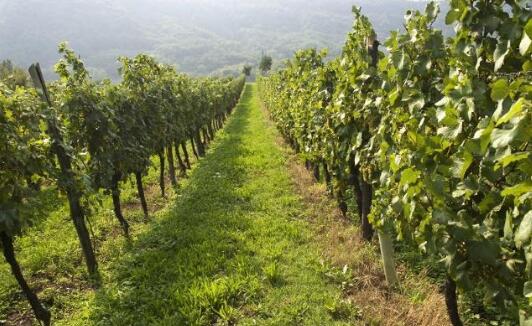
387	251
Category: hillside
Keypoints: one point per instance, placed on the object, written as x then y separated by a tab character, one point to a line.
199	37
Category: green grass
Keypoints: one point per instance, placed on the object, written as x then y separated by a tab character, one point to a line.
50	254
227	248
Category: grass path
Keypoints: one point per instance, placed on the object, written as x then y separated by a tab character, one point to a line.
249	238
230	249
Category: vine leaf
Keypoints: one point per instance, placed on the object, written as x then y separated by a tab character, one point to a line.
499	90
524	233
501	51
516	108
518	190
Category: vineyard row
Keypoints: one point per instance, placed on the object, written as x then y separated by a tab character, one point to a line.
85	136
432	138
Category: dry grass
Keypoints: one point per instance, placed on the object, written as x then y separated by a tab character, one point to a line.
418	302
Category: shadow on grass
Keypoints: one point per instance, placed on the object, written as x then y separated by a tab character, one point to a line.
192	266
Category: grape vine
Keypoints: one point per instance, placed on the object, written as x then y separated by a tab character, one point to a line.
89	136
441	128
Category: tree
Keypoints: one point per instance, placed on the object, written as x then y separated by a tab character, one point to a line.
12	76
265	64
247	70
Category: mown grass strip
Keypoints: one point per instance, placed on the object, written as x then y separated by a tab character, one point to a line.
229	248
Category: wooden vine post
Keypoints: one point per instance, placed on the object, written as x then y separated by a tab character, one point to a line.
40	311
67	182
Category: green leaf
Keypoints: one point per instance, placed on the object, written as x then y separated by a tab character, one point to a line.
484	134
516	108
527	66
485	252
399	59
518	189
436	185
432	10
450	132
397	205
501	51
416	103
490	201
508	226
442	102
503	137
441	113
527	289
465	189
394	162
409	176
506	160
525	44
460	167
524	232
528	28
441	216
499	90
452	16
358	140
392	97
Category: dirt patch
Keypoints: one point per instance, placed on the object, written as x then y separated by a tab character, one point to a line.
23	318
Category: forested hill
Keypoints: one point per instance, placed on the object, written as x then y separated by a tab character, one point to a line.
199	36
